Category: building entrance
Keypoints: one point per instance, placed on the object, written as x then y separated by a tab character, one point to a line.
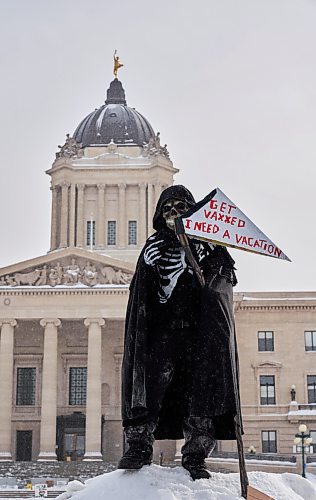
23	446
74	446
71	436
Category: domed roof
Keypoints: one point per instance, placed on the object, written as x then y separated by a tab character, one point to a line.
114	121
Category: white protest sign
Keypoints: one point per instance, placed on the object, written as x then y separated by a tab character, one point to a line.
217	219
40	491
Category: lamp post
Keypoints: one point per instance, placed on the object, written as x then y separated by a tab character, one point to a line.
303	439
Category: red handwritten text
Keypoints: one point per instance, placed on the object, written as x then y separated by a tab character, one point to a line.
257	243
227	219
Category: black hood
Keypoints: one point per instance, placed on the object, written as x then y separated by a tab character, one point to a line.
176	192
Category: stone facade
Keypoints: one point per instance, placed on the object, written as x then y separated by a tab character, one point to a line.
287	316
52	329
56	328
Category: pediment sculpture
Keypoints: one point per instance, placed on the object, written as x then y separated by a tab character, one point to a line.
154	148
70	149
68	272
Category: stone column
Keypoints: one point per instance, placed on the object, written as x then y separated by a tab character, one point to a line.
6	386
80	216
118	358
157	189
53	236
179	444
100	222
72	212
142	219
122	216
49	391
93	408
150	211
64	215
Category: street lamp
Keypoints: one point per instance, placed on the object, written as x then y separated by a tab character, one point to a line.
293	392
303	439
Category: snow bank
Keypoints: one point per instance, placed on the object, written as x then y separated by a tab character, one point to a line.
163	483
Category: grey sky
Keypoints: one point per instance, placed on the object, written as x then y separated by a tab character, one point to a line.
229	84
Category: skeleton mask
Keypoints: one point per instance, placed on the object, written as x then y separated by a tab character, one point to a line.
173	208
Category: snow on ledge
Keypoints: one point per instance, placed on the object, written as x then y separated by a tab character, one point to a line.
302	412
164	483
275	299
75	286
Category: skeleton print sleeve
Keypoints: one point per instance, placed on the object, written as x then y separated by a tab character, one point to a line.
203	249
153	253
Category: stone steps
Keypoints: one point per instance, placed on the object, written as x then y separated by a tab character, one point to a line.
19	494
50	470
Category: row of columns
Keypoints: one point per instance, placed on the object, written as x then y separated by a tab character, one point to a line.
49	388
68	224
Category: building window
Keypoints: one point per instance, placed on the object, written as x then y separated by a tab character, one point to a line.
310	341
77	386
265	341
90	234
25	386
311	388
132	232
267	390
313	443
112	232
268	440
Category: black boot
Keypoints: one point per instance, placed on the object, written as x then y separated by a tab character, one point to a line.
140	452
196	465
135	457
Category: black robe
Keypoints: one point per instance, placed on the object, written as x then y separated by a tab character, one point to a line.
214	392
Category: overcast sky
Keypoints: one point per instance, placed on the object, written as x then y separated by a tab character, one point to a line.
230	85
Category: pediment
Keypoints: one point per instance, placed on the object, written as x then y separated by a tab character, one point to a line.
68	267
268	364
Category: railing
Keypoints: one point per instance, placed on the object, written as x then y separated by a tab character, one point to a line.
310	406
255	456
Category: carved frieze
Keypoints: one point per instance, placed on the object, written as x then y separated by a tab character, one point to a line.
68	271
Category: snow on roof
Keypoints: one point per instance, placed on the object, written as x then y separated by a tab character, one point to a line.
164	483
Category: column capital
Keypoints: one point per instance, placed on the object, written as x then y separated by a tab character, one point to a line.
8	321
98	321
80	187
122	185
65	185
54	187
142	185
101	187
46	321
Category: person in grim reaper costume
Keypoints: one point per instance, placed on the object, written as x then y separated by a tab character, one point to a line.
180	366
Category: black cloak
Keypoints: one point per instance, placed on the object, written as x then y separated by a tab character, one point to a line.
215	389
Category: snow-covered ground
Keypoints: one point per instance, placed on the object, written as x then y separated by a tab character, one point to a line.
163	483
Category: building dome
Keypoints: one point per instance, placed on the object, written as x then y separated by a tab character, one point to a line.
114	121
